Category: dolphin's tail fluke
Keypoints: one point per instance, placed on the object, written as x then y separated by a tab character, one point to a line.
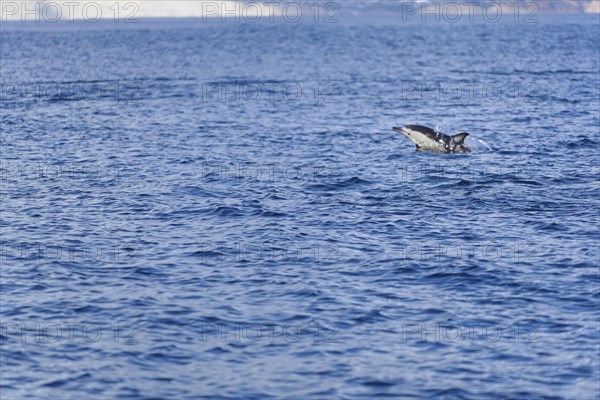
460	138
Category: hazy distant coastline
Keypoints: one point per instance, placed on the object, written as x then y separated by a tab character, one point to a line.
449	6
54	10
550	6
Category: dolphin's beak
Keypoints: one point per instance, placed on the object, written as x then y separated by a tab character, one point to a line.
401	130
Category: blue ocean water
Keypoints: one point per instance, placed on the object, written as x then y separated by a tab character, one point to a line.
198	209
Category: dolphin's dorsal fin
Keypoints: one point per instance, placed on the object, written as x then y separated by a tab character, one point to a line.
460	138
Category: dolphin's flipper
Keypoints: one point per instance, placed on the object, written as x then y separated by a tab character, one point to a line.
460	138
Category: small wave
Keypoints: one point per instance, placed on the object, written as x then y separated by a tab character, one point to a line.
348	183
206	254
65	381
581	142
225	211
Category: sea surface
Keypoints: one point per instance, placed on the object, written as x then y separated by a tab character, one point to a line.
220	210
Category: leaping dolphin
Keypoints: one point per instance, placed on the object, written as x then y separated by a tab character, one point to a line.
427	139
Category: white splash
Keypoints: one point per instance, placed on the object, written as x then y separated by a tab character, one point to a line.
482	142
